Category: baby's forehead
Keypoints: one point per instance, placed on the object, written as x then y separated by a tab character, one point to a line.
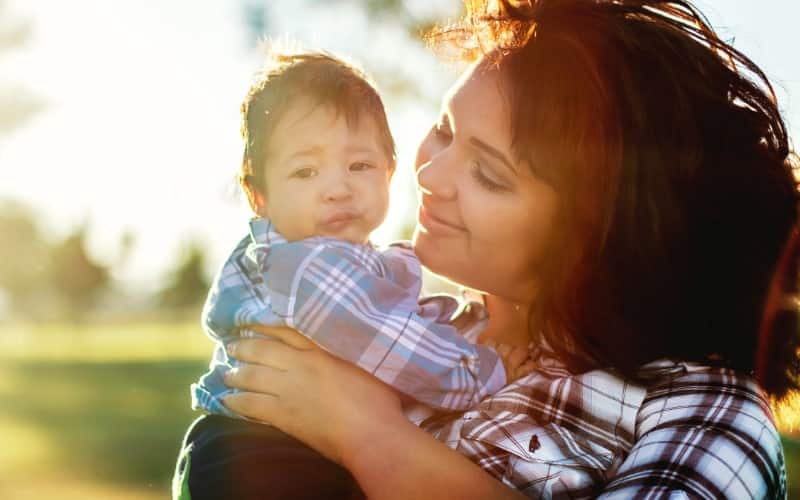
311	126
305	109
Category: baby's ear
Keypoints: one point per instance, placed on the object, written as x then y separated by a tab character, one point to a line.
258	202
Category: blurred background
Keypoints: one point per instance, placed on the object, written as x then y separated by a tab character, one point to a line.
119	144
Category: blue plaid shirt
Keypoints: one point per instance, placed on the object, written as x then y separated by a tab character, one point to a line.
360	304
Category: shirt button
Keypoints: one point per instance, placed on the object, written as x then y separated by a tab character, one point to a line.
534	444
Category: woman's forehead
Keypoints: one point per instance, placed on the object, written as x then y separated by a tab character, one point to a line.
480	77
478	106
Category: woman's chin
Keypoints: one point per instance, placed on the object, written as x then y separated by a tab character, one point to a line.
440	258
427	249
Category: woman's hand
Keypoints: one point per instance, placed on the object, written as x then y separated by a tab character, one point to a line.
352	418
296	386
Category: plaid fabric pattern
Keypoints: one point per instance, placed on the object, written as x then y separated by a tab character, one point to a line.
690	431
702	432
360	304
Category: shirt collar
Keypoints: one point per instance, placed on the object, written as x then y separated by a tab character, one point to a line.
264	232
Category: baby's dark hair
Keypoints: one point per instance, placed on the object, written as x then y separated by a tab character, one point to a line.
317	76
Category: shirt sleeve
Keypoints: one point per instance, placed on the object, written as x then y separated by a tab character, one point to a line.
331	295
703	435
231	296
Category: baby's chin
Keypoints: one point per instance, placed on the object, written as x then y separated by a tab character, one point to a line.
355	230
357	238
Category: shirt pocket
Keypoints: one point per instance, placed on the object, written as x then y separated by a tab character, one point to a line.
544	461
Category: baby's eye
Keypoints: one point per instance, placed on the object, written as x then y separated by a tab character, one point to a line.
361	166
304	173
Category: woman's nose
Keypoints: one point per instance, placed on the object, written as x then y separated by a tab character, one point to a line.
435	179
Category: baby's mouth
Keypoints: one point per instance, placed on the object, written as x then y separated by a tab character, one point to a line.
337	221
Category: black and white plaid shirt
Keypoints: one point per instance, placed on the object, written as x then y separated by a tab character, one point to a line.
691	431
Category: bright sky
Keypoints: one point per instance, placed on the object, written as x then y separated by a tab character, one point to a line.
140	129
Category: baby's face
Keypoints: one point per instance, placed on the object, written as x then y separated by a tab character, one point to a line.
324	178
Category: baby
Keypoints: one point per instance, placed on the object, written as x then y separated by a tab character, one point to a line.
318	160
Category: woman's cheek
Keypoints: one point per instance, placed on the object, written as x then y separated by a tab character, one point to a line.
480	209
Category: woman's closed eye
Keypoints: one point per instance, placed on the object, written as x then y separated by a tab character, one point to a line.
486	179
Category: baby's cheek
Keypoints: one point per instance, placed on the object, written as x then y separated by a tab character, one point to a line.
294	224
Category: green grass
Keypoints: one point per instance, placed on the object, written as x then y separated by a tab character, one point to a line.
99	411
791	449
117	422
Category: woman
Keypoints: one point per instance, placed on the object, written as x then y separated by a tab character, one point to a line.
616	181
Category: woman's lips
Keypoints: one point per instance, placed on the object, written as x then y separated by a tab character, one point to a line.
435	224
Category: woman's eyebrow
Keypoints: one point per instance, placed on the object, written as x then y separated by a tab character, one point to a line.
493	152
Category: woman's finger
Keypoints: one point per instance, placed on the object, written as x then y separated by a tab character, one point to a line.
525	369
285	334
266	352
519	355
257	378
261	407
504	350
275	411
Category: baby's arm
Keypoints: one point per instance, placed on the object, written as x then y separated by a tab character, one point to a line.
330	296
516	360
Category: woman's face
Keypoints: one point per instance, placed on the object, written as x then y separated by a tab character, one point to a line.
484	220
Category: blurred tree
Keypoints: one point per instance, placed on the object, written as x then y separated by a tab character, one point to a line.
256	21
76	278
24	257
127	242
17	105
383	17
188	284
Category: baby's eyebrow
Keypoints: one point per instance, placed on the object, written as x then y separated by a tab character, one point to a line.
310	151
360	149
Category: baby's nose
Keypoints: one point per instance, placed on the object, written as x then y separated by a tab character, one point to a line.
337	190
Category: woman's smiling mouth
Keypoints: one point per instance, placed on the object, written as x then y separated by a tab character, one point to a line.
435	224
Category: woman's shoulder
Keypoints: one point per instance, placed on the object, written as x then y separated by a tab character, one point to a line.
696	394
705	429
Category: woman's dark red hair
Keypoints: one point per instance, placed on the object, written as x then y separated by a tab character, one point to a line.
674	172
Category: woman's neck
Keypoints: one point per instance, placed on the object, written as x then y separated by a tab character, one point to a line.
509	322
